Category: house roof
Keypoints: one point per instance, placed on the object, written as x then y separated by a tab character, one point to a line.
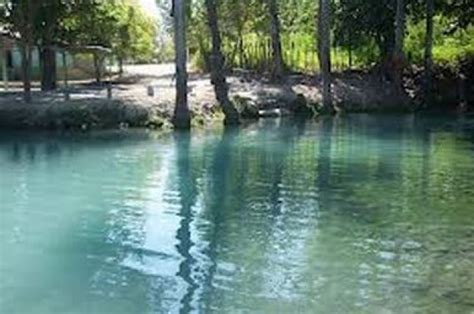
90	48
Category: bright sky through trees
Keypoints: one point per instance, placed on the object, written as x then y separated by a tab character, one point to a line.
150	7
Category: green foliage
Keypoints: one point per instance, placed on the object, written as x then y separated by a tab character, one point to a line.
449	47
363	29
360	28
136	34
117	24
19	17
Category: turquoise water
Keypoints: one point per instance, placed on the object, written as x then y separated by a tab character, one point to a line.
358	214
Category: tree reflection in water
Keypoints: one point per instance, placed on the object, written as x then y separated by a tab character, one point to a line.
344	214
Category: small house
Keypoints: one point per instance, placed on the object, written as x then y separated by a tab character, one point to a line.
80	66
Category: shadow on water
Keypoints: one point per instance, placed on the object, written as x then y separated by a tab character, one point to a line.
358	180
218	207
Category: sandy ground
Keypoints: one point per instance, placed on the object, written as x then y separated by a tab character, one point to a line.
149	90
137	80
350	90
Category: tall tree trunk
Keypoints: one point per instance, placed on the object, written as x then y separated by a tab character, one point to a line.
218	78
324	41
48	68
182	117
429	51
26	71
350	58
277	56
350	52
3	56
398	58
241	48
49	28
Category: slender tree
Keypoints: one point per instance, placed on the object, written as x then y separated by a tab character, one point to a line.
277	55
25	19
429	50
19	16
182	118
218	78
398	58
324	43
26	69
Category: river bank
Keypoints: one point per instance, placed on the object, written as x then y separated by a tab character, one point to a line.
148	101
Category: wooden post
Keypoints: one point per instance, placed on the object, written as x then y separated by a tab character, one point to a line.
4	67
150	91
109	91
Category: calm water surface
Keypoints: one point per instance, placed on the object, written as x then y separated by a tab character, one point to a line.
353	215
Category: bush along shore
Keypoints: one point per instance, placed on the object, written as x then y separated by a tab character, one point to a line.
132	105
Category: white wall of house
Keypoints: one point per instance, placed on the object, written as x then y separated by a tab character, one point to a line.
13	56
80	65
35	63
16	59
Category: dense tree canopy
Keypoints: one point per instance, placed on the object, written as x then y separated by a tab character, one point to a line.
120	25
361	30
